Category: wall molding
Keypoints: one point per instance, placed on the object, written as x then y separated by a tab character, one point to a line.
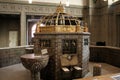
39	9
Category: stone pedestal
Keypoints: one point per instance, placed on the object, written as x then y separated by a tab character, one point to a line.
34	64
77	53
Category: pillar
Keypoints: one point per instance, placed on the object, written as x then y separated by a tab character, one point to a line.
23	30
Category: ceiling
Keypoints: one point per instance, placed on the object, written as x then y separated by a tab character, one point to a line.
71	2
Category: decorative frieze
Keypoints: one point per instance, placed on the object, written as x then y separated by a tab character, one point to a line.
41	9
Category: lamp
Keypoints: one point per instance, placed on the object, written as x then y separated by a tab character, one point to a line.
67	3
30	1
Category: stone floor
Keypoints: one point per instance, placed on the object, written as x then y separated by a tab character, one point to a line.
18	72
106	69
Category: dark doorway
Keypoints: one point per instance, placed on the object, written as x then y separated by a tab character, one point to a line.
9	23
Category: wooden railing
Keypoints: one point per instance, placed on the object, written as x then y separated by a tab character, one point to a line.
107	54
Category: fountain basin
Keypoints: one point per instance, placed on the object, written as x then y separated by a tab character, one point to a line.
34	63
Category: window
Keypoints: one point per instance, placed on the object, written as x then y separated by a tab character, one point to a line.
33	30
69	46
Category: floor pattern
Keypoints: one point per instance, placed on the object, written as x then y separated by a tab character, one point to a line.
18	72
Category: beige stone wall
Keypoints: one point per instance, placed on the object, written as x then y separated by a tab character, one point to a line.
103	26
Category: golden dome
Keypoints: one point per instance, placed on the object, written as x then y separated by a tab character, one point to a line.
59	22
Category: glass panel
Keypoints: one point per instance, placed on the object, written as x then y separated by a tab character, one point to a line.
69	46
73	22
45	43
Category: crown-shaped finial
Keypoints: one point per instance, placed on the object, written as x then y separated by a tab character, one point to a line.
60	8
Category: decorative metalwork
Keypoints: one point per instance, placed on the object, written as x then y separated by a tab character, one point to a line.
45	43
69	46
59	22
60	9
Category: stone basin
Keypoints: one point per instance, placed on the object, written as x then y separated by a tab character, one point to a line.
34	64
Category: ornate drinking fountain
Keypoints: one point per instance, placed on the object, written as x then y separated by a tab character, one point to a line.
67	43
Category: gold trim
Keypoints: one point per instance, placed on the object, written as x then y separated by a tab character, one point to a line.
60	9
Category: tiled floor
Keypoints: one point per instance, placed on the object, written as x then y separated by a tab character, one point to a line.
14	72
106	69
18	72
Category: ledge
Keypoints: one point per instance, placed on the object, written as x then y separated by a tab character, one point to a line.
104	77
109	47
16	47
11	55
106	54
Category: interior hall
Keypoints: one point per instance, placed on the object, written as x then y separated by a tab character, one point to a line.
59	39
